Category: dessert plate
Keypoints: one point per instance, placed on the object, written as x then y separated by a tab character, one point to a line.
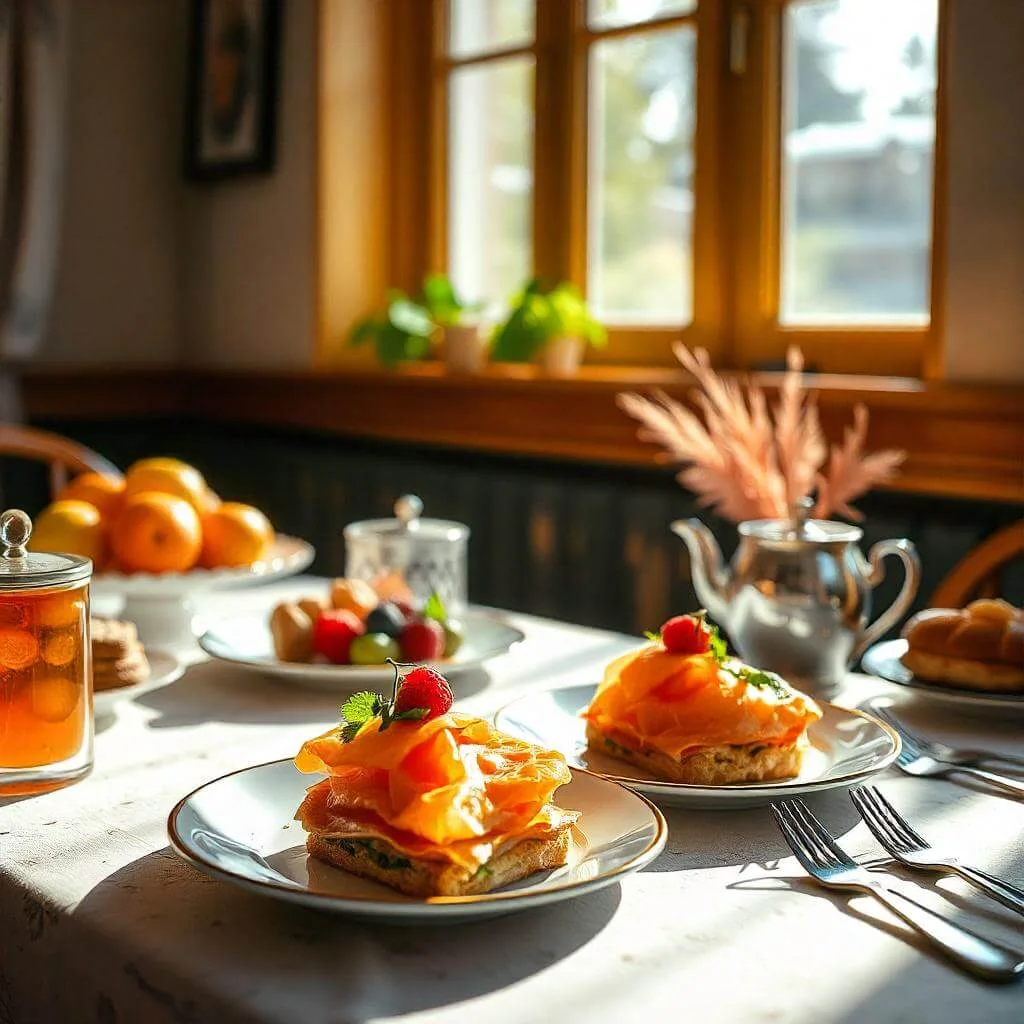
164	668
246	641
883	660
847	747
240	829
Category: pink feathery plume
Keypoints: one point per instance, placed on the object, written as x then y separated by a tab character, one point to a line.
851	472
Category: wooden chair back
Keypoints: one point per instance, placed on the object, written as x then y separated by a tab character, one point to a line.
979	574
64	457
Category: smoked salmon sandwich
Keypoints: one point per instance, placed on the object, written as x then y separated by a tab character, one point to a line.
429	801
686	712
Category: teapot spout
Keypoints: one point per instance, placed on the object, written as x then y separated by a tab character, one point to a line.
709	578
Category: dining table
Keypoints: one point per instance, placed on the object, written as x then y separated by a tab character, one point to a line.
101	922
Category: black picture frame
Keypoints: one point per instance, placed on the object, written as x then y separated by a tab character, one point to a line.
231	99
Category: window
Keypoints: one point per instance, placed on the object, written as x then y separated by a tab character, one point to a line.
733	178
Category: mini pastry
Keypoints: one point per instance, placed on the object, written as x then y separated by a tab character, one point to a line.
685	712
292	630
429	801
980	647
118	657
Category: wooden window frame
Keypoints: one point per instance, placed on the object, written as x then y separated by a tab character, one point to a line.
736	213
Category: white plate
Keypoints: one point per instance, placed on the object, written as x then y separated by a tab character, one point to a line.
246	641
847	747
288	556
164	668
883	660
240	828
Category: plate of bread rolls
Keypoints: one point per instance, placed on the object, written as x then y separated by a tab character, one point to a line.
972	655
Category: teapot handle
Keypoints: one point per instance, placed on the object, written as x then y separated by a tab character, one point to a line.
907	554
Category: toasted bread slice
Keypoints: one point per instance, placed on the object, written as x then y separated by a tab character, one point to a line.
712	766
378	860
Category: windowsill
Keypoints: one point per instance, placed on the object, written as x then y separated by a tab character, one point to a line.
962	440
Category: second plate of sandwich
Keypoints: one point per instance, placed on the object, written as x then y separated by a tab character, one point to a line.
685	724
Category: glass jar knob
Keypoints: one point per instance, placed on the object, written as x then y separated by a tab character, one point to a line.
408	509
15	530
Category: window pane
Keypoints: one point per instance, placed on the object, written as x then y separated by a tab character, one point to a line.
641	177
480	25
490	177
612	13
859	137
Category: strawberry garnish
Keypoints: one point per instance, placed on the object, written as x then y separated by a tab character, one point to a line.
418	696
424	688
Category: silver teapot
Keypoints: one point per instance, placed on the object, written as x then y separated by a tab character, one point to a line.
797	598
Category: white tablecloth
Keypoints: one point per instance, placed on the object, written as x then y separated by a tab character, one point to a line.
101	922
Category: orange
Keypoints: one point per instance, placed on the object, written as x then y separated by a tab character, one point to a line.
211	502
167	476
105	492
156	533
235	535
356	596
71	527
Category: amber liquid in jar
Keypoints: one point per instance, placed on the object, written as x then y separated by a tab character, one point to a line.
45	686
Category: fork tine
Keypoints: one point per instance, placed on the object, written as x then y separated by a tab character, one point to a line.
911	743
807	836
795	841
822	834
876	822
894	816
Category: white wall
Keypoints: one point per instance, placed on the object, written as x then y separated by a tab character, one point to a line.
249	244
117	295
985	214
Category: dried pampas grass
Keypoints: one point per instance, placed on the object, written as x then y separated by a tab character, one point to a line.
747	462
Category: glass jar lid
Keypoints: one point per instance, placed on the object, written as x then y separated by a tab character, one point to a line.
21	569
408	522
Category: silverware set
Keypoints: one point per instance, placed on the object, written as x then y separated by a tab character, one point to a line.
823	858
925	758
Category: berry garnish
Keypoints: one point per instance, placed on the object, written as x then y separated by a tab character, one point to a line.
692	634
420	695
424	688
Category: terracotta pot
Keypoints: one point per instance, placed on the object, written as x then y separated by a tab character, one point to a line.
561	357
464	348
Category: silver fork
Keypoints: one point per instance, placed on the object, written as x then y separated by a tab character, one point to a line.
964	756
914	761
896	834
822	858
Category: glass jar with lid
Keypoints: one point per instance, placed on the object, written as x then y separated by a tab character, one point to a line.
410	556
46	720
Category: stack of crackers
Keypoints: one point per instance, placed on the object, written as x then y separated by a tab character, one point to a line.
118	657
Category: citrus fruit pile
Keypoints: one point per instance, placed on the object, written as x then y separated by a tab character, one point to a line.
160	517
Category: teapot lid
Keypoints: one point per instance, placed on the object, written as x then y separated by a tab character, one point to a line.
21	569
806	531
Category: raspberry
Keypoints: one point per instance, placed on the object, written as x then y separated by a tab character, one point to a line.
686	634
424	688
422	640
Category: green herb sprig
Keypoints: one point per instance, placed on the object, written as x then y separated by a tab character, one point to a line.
366	705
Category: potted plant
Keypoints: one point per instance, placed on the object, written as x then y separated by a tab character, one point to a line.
551	323
464	345
402	330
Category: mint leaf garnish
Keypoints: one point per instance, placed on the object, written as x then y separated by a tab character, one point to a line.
434	608
764	680
357	711
411	714
655	638
717	644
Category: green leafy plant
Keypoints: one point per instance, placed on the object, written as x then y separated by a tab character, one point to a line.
443	303
402	330
541	312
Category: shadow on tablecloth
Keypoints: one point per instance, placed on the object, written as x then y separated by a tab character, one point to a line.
216	692
162	933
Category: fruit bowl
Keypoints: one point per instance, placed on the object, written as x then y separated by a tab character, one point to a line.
160	604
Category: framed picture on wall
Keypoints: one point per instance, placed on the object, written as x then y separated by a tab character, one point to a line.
231	105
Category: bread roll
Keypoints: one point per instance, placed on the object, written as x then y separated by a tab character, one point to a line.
980	646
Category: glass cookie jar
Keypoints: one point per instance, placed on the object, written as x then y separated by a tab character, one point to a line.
410	556
46	721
